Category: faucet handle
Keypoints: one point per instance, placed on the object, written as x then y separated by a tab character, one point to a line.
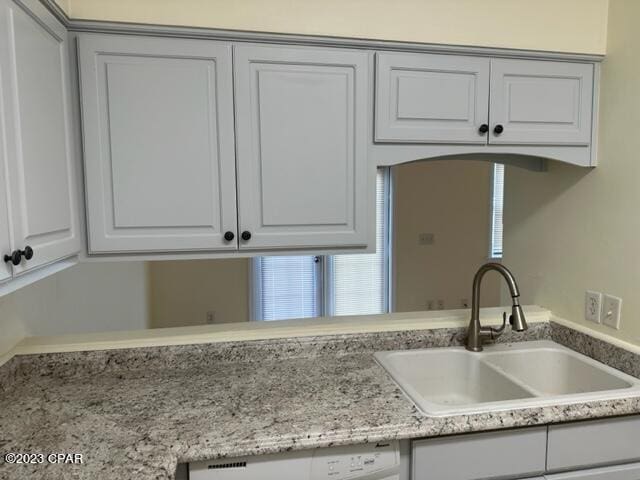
500	329
494	332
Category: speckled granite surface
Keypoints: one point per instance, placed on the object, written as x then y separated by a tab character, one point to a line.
137	413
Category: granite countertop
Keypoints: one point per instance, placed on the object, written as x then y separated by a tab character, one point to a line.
137	413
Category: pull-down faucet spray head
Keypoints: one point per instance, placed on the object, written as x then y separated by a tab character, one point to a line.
517	320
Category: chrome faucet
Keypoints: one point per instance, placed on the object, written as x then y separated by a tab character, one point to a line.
476	332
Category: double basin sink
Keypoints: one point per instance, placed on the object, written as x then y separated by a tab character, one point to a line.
450	381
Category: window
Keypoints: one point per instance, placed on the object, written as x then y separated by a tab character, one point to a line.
287	287
497	208
311	286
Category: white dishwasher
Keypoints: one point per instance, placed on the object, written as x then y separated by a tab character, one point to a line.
375	461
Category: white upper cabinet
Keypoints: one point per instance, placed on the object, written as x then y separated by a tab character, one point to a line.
303	129
5	239
34	75
454	104
159	144
201	146
431	98
541	102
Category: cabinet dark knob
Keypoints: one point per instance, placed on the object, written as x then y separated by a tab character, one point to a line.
228	236
246	236
14	258
28	252
484	128
498	129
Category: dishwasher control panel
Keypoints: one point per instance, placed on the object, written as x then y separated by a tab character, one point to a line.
373	461
355	462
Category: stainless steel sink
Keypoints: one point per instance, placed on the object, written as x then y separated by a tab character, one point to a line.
449	381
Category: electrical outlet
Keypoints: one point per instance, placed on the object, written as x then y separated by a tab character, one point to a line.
611	307
211	317
592	305
426	239
440	304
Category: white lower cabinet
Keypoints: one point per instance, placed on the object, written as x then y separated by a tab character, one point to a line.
580	445
606	449
503	454
38	205
616	472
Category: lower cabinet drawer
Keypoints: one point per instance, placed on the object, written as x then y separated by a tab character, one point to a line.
505	454
619	472
592	443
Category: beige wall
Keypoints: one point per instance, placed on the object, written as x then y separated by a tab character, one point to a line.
558	25
451	200
12	328
182	292
88	297
571	229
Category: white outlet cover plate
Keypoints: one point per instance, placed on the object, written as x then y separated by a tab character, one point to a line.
611	308
592	306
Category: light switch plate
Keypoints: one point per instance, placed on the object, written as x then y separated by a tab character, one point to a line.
592	306
611	308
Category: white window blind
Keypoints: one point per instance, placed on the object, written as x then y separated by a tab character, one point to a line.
308	286
358	284
286	287
497	209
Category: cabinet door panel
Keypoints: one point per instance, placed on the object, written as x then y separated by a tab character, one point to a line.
159	143
593	443
431	98
541	102
618	472
303	175
34	61
522	454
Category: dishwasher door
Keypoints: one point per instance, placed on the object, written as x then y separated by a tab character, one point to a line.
375	461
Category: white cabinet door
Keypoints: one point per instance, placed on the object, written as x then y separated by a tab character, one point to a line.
34	71
541	102
431	98
302	126
618	472
472	457
5	240
159	143
591	443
